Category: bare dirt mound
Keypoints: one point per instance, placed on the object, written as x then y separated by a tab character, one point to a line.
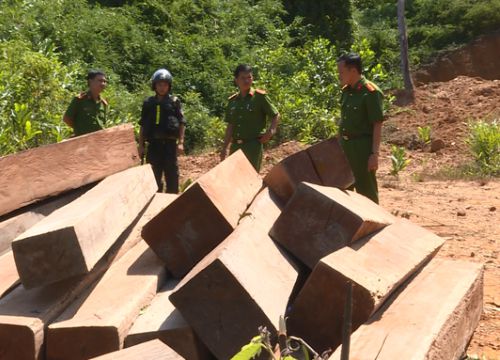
478	58
447	107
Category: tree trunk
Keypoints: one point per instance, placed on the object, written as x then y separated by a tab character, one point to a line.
403	42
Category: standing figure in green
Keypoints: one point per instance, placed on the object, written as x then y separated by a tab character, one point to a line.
246	115
360	124
87	112
162	126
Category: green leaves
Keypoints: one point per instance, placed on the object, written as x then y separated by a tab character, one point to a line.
250	350
424	134
398	159
484	144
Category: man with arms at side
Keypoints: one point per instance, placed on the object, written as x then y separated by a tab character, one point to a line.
360	124
246	115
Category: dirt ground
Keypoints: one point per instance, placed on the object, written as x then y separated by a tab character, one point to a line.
464	212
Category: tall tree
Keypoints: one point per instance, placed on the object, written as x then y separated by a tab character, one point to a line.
403	42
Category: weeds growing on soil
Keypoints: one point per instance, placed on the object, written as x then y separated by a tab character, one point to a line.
424	134
398	159
484	143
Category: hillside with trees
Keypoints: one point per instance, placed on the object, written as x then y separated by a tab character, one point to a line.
47	46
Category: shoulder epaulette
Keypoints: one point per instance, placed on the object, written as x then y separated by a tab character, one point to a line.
260	91
233	96
370	87
82	96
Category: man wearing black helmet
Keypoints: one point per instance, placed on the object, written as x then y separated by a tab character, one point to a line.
87	112
162	127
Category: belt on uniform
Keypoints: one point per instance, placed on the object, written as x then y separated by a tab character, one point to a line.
242	141
162	137
354	136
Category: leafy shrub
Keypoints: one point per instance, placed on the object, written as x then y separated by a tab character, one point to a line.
484	143
424	134
398	159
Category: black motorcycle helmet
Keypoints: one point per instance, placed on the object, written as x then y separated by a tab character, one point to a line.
161	75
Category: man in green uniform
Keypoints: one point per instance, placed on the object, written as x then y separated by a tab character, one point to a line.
360	124
87	112
246	115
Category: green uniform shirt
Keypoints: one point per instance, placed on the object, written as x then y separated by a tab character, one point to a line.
248	114
87	114
361	106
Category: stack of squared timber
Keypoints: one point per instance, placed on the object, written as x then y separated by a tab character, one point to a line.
94	266
204	215
72	239
242	284
375	266
25	314
433	317
98	322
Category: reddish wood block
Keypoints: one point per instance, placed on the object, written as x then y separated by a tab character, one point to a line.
151	350
319	220
98	322
331	164
49	170
285	176
204	215
161	320
375	266
432	318
242	284
72	239
17	222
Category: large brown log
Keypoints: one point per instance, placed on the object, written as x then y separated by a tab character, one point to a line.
285	176
204	215
432	318
242	284
161	320
375	267
322	164
98	322
24	314
49	170
319	220
331	164
73	238
14	224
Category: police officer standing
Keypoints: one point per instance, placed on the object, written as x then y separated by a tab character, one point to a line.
162	127
360	124
87	112
246	115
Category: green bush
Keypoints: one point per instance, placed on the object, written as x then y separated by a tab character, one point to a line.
203	130
33	90
484	143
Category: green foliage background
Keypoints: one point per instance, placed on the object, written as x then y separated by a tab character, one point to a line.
47	46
